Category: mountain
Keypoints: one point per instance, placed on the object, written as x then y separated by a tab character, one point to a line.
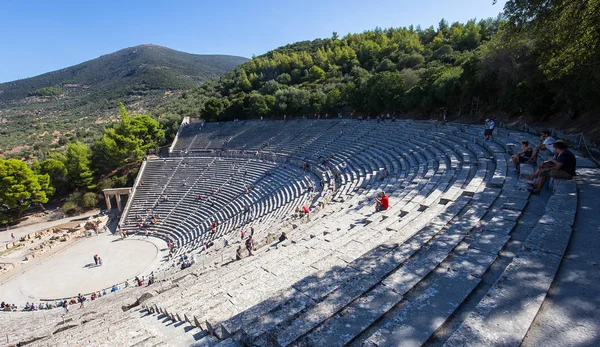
144	67
77	97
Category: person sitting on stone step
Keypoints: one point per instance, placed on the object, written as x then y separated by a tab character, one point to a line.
384	174
546	145
382	202
562	167
523	156
283	236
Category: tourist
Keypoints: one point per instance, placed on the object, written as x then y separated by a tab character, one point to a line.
562	167
13	238
384	174
96	259
486	133
546	145
523	156
381	202
152	278
66	306
249	245
238	253
81	300
283	236
99	261
114	288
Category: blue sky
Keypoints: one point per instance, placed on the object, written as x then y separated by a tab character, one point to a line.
42	36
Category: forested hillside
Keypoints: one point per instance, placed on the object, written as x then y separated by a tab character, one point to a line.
537	59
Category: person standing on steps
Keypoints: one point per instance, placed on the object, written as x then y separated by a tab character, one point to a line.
96	259
250	245
238	253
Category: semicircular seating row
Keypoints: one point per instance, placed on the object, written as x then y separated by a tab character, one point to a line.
347	275
186	219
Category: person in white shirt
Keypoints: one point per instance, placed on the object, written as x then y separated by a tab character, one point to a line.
546	143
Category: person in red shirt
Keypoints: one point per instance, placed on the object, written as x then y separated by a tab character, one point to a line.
382	202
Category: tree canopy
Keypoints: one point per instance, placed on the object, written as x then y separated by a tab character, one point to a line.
19	188
128	141
537	58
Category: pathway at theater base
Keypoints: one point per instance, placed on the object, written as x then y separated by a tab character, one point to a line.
31	228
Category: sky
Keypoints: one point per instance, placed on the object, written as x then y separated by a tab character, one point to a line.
43	36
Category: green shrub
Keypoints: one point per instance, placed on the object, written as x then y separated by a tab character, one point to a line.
89	200
120	181
70	208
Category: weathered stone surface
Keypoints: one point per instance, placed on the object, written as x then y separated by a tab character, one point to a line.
508	214
503	317
501	226
351	321
487	241
312	317
415	323
413	271
550	238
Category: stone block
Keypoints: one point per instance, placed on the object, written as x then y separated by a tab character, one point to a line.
489	242
550	238
515	204
501	226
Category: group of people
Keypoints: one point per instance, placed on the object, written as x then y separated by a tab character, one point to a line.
249	244
562	164
186	261
148	220
139	281
34	306
4	306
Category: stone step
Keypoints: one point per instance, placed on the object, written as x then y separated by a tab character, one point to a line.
415	321
504	316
